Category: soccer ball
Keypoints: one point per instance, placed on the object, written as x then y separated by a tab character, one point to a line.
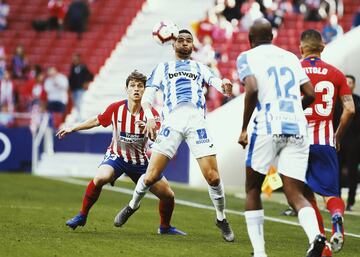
165	32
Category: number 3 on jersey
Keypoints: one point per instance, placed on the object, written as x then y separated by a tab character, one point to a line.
324	108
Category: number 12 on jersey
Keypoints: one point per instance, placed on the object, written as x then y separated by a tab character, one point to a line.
282	90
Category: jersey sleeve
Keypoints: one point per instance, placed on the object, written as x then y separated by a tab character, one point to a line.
344	88
105	118
300	72
210	78
156	76
243	66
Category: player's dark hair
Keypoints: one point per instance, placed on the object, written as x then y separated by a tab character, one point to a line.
185	31
135	75
312	39
311	34
351	77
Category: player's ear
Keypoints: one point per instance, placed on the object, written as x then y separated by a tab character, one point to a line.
321	47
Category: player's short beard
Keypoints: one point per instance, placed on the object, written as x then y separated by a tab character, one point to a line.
184	53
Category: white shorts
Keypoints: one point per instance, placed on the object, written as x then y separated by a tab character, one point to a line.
293	153
186	122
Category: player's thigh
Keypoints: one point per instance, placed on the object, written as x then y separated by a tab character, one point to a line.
162	189
323	172
167	141
293	158
157	164
260	153
109	169
105	174
198	138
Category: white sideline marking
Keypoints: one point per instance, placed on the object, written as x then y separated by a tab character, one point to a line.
183	202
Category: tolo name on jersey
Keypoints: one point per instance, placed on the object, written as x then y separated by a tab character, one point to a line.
316	70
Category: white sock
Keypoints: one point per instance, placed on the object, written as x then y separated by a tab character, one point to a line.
217	196
308	221
255	228
139	192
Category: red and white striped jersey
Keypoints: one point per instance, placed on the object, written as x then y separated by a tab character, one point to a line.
329	83
128	141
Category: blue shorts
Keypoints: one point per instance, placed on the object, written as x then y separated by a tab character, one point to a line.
322	175
134	171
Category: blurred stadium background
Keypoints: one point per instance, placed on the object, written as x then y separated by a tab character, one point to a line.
112	38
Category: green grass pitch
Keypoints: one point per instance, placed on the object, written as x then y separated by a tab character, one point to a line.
33	211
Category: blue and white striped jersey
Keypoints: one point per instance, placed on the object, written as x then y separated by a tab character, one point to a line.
279	75
182	81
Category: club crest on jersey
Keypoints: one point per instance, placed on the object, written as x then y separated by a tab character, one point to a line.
203	138
183	74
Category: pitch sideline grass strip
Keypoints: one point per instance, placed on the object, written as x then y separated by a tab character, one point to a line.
183	202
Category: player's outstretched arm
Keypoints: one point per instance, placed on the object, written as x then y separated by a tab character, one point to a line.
251	98
88	124
345	119
309	94
146	104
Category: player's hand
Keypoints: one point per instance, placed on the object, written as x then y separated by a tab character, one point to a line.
150	129
227	87
141	125
63	132
243	139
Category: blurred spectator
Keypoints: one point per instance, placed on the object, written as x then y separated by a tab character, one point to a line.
79	77
332	30
312	10
2	60
205	27
4	12
230	9
56	87
350	145
77	16
6	93
205	53
356	20
19	63
251	10
57	11
35	93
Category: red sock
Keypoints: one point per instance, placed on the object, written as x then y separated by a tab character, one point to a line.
318	217
91	195
336	205
165	210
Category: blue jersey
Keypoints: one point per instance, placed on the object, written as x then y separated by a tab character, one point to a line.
279	75
182	81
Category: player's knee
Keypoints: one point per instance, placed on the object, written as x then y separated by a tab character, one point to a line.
100	180
149	180
213	180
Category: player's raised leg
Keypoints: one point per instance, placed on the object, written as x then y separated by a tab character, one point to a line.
157	164
293	189
105	175
208	166
166	207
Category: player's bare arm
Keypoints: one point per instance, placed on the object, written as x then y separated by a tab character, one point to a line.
251	98
345	119
227	87
88	124
150	126
309	94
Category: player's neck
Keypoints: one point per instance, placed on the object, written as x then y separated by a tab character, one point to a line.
309	55
134	106
182	58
